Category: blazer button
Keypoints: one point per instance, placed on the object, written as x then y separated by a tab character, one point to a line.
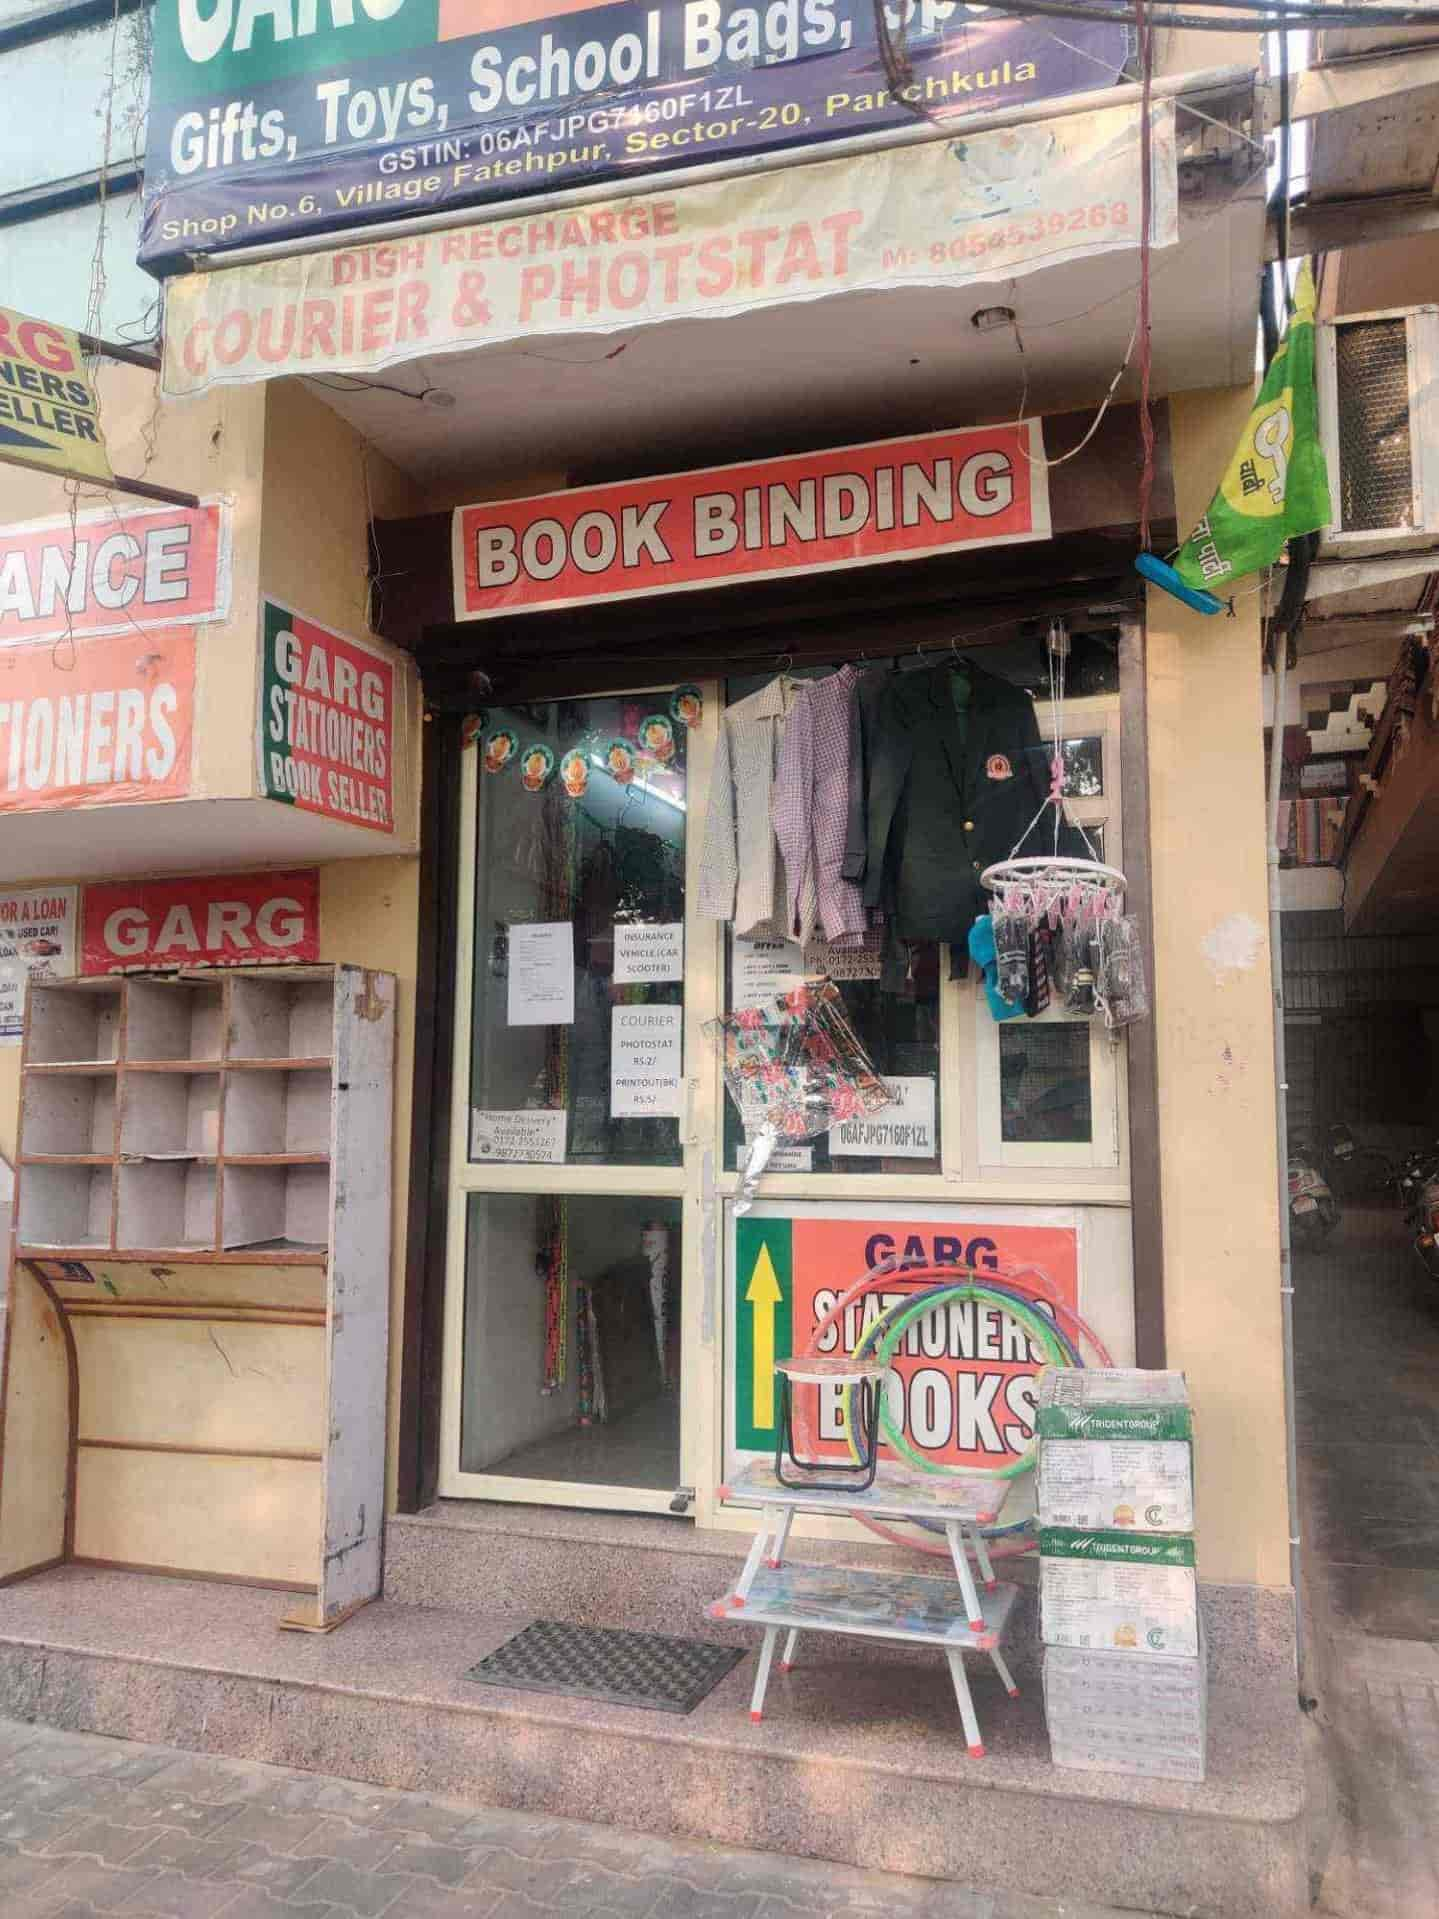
969	826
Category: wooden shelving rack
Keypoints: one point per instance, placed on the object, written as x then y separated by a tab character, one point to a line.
193	1379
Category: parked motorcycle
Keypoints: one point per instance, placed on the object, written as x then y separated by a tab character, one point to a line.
1355	1172
1313	1209
1417	1183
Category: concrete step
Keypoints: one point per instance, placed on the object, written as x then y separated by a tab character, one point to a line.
588	1568
859	1759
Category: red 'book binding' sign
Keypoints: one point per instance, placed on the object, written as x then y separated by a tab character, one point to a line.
806	513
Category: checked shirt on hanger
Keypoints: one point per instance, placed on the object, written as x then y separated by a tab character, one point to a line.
741	876
811	803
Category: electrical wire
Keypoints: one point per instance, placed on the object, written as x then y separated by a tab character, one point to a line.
1146	215
1388	14
354	384
1256	19
1062	459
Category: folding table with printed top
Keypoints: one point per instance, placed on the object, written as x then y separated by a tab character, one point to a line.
910	1609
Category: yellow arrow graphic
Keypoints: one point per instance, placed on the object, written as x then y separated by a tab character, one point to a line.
764	1295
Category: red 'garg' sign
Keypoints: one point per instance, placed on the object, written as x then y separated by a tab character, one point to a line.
806	513
234	919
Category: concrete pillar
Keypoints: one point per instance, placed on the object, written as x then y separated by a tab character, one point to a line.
1215	1035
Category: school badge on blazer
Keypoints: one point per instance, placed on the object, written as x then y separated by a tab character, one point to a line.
998	767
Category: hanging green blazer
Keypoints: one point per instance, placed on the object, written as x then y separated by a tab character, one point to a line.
940	799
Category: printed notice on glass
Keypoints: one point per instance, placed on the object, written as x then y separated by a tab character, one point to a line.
542	974
784	1159
761	970
645	1062
904	1130
37	941
650	955
535	1135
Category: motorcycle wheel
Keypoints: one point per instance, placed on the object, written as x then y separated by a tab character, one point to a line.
1307	1230
1365	1177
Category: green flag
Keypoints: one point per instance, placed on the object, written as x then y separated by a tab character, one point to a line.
1276	485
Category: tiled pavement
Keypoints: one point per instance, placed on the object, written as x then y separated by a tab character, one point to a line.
1367	1372
92	1826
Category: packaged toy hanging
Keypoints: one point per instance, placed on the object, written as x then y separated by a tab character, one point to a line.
794	1068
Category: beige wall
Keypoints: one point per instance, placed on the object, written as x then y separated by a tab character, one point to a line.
300	486
212	445
1213	1003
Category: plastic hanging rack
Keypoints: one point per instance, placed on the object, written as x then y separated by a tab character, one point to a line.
1082	900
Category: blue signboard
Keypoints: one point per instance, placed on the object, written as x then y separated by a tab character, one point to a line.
276	118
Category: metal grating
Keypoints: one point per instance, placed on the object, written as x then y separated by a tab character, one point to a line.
1376	480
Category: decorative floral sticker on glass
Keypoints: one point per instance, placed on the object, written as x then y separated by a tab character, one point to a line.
620	762
687	705
500	748
537	763
575	773
657	738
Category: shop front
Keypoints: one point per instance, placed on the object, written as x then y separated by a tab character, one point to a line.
630	617
611	1319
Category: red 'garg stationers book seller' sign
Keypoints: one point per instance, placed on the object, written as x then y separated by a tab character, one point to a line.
805	513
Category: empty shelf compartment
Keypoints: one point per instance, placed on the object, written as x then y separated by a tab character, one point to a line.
65	1206
174	1020
170	1114
276	1208
70	1113
76	1024
282	1019
279	1112
167	1205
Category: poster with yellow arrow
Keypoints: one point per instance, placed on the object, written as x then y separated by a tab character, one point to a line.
965	1378
764	1273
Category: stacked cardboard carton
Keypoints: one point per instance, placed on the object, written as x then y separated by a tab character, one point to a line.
1124	1663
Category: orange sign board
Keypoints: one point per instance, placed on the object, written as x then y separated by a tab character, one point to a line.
962	1390
100	719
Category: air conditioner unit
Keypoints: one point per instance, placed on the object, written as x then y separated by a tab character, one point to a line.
1379	419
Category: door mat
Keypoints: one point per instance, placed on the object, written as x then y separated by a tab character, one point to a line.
595	1662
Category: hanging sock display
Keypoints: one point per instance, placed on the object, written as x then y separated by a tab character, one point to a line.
1072	899
1275	487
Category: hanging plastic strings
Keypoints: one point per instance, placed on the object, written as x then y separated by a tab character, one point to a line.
1060	918
794	1069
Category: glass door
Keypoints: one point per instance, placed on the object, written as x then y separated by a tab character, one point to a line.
577	1103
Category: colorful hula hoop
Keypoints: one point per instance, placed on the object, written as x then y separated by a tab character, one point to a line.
889	1329
1068	1331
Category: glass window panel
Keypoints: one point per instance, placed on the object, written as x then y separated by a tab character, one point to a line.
55	103
1094	833
897	1019
896	1016
1044	1088
571	1338
609	855
50	258
1084	768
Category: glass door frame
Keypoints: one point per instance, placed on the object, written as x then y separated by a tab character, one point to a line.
702	1183
687	1182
